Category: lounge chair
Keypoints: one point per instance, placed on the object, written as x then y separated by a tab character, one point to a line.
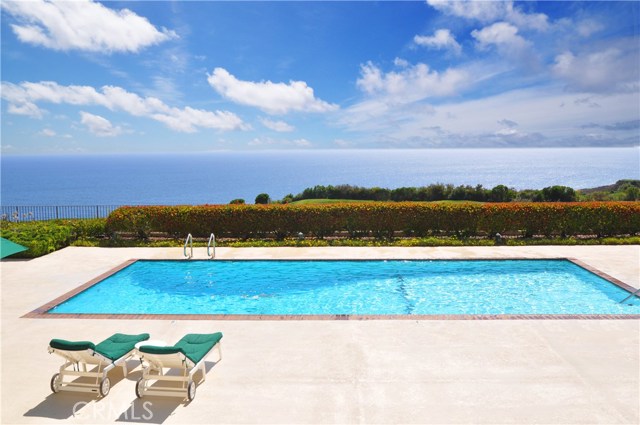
187	355
113	351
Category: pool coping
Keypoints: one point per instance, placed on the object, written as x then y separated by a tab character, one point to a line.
42	312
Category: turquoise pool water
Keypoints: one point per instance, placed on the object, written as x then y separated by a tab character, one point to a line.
352	287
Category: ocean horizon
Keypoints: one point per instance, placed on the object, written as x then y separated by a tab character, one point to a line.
218	177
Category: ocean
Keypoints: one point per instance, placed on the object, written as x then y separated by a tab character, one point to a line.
219	177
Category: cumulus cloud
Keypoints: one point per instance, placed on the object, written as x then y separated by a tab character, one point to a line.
26	108
491	11
23	99
402	63
410	84
441	39
502	35
99	126
188	119
272	98
605	71
279	126
82	25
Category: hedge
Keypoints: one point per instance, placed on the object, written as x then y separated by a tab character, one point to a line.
382	219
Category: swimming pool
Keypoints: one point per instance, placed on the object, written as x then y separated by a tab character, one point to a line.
362	287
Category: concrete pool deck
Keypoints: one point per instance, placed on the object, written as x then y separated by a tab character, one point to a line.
371	371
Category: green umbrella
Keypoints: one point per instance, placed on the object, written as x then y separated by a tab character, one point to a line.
8	248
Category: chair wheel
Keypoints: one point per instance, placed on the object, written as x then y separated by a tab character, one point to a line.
191	391
55	383
105	386
139	388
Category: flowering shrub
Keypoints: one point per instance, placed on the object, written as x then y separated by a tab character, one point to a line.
382	219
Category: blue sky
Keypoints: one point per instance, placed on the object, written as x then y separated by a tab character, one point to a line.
103	77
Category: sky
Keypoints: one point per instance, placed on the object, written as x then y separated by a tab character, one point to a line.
159	76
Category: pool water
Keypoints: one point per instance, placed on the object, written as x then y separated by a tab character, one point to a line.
328	287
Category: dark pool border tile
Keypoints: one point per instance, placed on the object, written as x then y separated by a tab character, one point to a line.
602	274
51	304
42	311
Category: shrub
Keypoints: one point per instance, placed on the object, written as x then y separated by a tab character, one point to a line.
237	201
383	219
91	228
41	237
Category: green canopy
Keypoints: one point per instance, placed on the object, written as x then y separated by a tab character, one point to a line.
8	248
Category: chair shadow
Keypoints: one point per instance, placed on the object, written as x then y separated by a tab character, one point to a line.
64	404
154	409
150	409
61	405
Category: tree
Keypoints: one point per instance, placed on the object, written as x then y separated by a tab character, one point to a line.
631	193
501	193
263	198
559	194
237	201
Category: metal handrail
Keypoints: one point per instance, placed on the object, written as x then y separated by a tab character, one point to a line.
212	241
631	295
189	241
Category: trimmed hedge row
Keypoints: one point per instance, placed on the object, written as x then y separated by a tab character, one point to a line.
382	219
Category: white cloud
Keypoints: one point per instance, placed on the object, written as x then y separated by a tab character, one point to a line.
268	142
342	144
99	126
588	27
483	11
491	11
273	98
279	126
441	39
410	84
500	34
26	108
189	119
402	63
47	132
302	143
22	100
82	25
536	117
604	71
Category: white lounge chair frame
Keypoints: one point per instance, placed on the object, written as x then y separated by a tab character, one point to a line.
80	359
153	369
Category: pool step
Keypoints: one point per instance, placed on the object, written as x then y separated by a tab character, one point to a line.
632	294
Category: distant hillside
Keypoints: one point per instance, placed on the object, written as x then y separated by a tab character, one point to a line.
616	187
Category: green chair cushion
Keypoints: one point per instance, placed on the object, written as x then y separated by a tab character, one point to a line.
196	346
62	344
153	349
117	345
